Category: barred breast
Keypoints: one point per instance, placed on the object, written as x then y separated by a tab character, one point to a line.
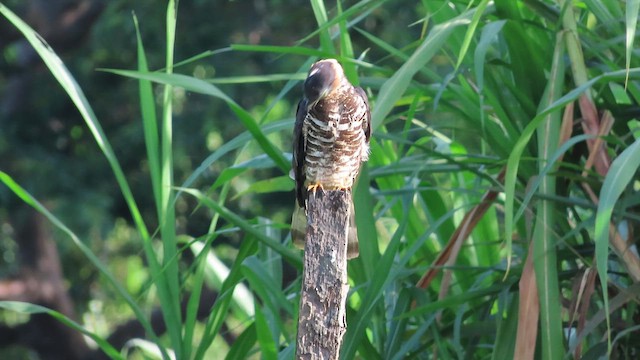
335	141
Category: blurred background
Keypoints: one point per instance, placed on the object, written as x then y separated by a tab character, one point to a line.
47	148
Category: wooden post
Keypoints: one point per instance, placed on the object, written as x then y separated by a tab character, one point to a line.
322	320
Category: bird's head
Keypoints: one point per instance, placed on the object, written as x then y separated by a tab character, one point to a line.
324	76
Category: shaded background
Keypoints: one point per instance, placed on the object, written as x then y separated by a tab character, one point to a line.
46	147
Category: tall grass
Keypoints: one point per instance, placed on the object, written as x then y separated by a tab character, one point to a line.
520	87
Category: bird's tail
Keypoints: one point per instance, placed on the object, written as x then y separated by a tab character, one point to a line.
353	249
298	226
299	230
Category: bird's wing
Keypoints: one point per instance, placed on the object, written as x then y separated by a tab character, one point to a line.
366	124
299	149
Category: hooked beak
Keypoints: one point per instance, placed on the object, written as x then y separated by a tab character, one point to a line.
325	91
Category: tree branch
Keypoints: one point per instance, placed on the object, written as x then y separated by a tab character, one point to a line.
322	319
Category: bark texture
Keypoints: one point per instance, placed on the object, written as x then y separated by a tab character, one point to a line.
322	320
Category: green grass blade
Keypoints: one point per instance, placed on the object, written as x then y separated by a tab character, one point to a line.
507	326
362	8
205	259
572	95
203	87
454	301
320	13
346	48
609	16
631	16
149	350
528	51
243	344
292	256
268	317
268	347
397	326
396	85
152	143
414	343
216	272
380	279
545	247
620	174
266	286
513	162
221	307
253	79
549	167
290	50
574	47
169	277
200	56
392	51
149	118
232	145
489	34
471	31
297	50
366	223
267	186
26	308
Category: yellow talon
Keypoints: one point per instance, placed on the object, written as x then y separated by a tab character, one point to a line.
314	187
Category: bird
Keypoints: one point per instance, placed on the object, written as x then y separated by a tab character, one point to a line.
330	142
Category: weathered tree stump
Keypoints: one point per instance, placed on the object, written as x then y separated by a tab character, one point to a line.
322	321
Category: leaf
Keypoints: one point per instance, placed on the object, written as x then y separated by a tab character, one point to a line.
380	279
202	87
277	184
219	312
515	157
227	175
528	311
462	232
232	145
396	85
149	118
320	13
218	272
268	350
243	344
293	50
489	34
27	308
288	253
631	17
544	237
621	172
471	31
148	348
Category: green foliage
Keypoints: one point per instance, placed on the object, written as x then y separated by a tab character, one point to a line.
458	91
